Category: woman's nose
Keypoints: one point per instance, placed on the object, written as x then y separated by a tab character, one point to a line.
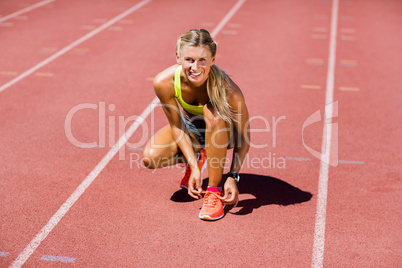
194	66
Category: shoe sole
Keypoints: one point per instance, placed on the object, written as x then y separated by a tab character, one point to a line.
209	218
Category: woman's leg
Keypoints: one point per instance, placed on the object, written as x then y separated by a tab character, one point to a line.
162	150
217	138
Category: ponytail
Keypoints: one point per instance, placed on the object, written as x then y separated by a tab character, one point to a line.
217	84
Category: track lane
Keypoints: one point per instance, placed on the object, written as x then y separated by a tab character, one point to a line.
103	234
28	42
24	10
364	205
74	44
67	95
33	152
130	221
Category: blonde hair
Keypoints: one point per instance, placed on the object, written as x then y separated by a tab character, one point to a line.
218	80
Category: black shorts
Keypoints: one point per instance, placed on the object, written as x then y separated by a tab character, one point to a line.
197	127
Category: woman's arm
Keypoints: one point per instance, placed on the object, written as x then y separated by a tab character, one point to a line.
241	126
242	140
240	122
164	89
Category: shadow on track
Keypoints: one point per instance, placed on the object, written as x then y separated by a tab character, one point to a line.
266	190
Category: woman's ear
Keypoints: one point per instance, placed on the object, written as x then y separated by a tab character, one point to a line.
178	59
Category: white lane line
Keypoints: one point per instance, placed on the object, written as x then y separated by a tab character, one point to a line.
299	159
25	10
57	258
54	220
228	16
4	254
319	231
75	43
351	162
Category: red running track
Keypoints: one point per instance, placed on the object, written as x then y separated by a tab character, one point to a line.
278	52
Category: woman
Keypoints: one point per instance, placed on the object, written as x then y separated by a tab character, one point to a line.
213	118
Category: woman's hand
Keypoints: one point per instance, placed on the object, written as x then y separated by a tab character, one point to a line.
194	184
231	192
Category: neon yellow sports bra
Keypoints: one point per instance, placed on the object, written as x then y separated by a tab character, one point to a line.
192	109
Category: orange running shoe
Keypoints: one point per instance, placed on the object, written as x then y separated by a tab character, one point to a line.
202	164
212	208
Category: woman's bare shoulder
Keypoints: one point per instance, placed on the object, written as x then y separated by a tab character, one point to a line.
166	77
164	83
234	91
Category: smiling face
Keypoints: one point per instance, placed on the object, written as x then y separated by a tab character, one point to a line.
196	62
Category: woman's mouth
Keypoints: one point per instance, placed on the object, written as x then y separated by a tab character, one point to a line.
195	75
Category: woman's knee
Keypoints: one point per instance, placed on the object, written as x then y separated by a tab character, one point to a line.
212	118
148	158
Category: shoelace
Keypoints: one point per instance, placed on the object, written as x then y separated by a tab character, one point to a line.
207	198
